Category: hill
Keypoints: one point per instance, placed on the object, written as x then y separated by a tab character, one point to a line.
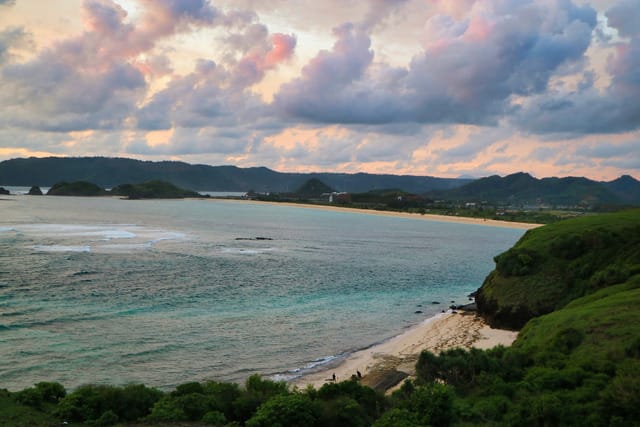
152	190
145	190
109	172
77	188
523	189
313	188
553	265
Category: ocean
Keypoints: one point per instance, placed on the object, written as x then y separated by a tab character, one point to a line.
162	292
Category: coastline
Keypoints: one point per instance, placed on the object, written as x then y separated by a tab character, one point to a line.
386	364
428	217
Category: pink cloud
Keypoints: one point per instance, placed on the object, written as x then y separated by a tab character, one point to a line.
283	46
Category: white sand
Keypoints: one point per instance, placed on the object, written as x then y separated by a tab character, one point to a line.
429	217
445	331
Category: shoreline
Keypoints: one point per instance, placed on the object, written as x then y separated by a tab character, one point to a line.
427	217
385	365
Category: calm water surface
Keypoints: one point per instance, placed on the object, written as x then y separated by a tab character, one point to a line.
163	292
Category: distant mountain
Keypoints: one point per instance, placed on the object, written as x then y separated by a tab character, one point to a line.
522	189
626	188
109	172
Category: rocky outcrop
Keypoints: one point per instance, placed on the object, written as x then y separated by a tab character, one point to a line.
35	191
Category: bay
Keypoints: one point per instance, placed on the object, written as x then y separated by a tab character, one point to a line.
103	290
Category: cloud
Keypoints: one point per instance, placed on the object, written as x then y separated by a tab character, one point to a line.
97	79
588	109
625	17
468	71
10	38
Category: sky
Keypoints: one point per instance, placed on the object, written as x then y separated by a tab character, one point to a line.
443	88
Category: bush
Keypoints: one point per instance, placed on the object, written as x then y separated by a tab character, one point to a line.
108	418
370	401
90	402
215	418
257	391
516	262
398	418
343	411
286	411
43	392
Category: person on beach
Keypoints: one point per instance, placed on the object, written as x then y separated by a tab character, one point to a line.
334	377
359	375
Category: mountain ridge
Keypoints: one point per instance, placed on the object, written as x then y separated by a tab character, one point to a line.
517	189
109	172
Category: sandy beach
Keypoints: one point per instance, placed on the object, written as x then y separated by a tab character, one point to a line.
428	217
396	358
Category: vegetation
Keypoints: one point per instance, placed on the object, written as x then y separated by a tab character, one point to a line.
145	190
312	189
152	190
553	265
77	188
578	364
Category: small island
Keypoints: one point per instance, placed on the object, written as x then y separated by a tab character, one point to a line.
147	190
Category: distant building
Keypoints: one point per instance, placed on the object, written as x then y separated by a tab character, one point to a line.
340	197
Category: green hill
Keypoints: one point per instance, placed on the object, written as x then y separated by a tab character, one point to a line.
152	190
313	189
552	265
77	188
523	189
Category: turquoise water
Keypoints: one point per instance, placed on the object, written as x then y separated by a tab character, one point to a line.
164	292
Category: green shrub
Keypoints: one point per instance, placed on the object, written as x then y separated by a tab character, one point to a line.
516	262
398	417
370	401
291	410
256	392
167	409
343	411
89	402
215	418
42	392
108	418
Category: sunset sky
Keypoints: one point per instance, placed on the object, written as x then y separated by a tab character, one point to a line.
423	87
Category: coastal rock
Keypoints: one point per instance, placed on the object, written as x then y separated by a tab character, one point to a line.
4	191
35	191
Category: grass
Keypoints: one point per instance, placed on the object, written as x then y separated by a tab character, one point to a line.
555	264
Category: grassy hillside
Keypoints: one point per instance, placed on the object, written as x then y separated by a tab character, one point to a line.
555	264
